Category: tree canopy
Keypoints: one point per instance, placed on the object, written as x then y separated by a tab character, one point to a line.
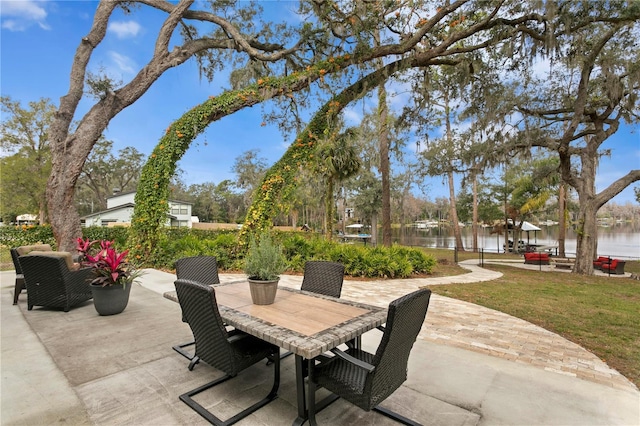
340	52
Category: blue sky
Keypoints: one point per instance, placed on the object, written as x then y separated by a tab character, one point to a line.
37	44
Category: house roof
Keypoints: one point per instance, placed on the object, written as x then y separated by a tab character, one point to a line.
133	192
112	209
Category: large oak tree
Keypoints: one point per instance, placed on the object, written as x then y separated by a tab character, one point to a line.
71	145
592	88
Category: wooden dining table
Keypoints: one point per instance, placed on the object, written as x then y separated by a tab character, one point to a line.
305	323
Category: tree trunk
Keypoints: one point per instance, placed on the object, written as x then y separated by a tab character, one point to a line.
454	214
562	222
374	228
452	191
65	221
475	212
328	221
383	142
587	238
42	212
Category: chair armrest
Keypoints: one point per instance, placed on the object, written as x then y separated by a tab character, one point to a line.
355	361
79	280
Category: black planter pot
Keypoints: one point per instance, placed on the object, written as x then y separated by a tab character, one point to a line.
110	300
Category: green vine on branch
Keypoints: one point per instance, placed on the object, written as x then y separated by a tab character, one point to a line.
280	181
152	197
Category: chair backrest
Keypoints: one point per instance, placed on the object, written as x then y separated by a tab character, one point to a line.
200	310
16	262
22	250
47	272
404	321
203	269
67	256
323	277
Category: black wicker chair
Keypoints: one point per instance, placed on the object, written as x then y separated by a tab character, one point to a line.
230	352
51	283
366	379
15	254
203	269
323	277
19	286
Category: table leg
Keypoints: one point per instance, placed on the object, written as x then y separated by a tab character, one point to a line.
303	415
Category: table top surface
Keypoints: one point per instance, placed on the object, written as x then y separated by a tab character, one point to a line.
304	323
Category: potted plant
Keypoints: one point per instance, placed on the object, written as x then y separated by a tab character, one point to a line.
263	265
112	277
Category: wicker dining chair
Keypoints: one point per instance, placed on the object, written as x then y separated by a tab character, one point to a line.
203	269
51	283
231	352
323	277
366	379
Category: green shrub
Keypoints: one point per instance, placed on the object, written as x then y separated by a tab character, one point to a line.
15	236
222	244
359	261
118	234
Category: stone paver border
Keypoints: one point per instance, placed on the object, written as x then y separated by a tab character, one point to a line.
465	325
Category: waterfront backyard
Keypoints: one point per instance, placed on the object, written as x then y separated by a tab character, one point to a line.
456	384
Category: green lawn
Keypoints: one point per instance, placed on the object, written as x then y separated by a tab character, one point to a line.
601	314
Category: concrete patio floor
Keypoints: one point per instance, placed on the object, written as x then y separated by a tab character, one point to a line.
470	366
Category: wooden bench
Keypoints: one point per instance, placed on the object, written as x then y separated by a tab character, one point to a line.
564	262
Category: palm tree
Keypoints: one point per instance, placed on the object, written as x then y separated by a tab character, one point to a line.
337	160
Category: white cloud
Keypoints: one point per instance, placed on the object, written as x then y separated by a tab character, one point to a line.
124	63
351	117
23	14
124	29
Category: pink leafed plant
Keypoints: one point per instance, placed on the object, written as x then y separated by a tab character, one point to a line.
110	266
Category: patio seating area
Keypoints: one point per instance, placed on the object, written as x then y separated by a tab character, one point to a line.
121	369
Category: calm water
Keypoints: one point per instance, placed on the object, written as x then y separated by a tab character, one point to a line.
620	240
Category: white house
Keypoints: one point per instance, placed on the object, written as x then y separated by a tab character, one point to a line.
120	211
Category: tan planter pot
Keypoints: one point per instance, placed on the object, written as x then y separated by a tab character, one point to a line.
263	292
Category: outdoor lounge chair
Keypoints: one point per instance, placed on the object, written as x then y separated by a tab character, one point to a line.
601	260
366	379
615	267
230	352
15	254
52	282
203	269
